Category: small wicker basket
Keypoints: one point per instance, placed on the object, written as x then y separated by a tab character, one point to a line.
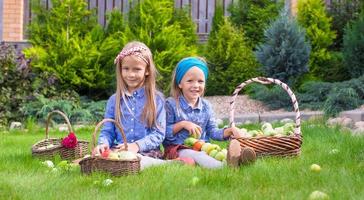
114	167
271	145
40	149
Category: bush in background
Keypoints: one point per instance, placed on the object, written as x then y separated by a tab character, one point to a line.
312	16
20	85
341	99
83	111
253	17
353	49
170	37
342	12
15	84
284	55
65	41
230	59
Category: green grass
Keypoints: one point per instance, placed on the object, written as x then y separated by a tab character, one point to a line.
341	177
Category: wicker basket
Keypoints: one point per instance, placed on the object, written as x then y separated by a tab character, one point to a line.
271	145
114	167
39	149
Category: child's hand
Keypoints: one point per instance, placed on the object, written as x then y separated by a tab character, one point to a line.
99	149
232	132
194	129
131	147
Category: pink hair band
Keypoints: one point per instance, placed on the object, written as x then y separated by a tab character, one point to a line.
132	51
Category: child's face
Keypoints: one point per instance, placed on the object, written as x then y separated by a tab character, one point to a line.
193	84
133	72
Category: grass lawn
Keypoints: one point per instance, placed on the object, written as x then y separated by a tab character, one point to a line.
341	177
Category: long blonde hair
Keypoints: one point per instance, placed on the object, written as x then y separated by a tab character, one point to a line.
150	108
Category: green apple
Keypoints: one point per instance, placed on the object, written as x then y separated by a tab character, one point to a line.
126	155
220	156
315	168
48	163
267	125
213	153
224	151
253	133
113	156
288	128
217	147
269	132
279	130
190	141
195	180
205	147
210	148
318	195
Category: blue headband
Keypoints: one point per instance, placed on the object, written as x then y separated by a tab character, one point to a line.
184	65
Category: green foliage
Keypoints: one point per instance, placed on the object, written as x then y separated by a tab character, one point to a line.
218	19
84	111
273	97
331	98
230	60
254	16
314	94
341	99
65	42
20	85
312	16
353	49
342	12
285	53
336	70
169	37
14	84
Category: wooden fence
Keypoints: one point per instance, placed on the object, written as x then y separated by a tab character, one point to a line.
202	11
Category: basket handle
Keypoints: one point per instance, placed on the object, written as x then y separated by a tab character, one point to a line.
264	80
63	115
116	124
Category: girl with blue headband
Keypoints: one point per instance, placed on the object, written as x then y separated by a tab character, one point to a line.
188	114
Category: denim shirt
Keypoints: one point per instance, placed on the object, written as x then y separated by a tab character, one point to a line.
202	115
134	127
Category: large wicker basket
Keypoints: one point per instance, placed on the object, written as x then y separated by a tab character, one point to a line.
271	145
40	149
114	167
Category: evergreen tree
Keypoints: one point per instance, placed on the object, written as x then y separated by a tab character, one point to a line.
342	12
353	49
312	16
254	16
152	22
285	54
230	60
65	41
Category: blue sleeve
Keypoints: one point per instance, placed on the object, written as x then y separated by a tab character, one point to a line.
170	120
211	126
156	134
108	133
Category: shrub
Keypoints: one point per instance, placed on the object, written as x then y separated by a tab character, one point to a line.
15	84
353	49
312	16
230	60
85	111
168	36
253	17
65	42
314	94
341	13
341	99
285	53
273	96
